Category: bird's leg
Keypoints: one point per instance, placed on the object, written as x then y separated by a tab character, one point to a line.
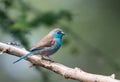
49	57
45	57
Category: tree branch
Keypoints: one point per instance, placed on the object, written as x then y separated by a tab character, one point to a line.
67	72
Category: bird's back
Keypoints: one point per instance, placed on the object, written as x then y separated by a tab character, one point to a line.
47	41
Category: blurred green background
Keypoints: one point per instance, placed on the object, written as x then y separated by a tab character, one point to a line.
92	40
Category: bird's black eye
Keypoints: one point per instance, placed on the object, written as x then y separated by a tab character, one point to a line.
59	32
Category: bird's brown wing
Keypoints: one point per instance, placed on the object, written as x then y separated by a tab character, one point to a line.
45	42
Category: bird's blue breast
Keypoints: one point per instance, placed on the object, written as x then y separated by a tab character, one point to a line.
50	50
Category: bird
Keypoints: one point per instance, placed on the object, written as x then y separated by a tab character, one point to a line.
46	46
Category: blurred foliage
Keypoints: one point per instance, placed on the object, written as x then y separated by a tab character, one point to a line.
21	26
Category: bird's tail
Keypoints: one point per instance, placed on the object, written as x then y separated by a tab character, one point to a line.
24	56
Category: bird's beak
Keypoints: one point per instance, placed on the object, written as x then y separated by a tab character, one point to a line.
63	33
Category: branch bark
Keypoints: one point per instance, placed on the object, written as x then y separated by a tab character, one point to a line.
67	72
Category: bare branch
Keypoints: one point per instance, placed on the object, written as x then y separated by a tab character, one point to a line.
67	72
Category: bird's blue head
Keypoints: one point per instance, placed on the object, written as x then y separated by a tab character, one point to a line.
58	33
